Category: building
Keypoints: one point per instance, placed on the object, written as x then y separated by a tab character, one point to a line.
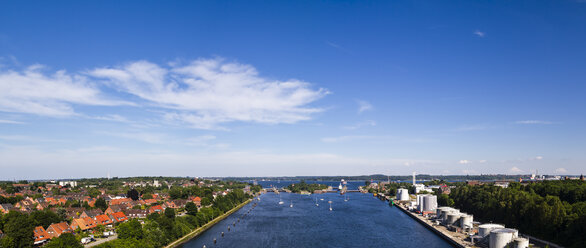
5	208
119	217
83	223
103	220
68	183
41	236
55	230
136	213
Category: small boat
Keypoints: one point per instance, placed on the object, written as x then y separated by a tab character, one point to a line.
291	204
330	205
316	204
280	201
346	198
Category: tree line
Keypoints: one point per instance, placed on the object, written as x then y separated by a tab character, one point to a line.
551	210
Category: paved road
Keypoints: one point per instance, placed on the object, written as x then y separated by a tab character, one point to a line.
100	241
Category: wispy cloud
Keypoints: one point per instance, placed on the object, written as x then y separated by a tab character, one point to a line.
515	169
10	122
560	170
463	161
35	92
534	122
208	92
368	123
349	138
364	106
479	33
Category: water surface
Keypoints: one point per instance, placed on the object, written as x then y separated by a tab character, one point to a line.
362	221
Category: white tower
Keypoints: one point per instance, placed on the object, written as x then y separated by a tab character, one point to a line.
414	178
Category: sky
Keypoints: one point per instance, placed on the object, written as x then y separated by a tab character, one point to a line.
285	88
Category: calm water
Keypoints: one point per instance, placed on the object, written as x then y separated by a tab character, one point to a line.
362	221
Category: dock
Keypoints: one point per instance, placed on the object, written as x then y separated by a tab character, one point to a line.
454	238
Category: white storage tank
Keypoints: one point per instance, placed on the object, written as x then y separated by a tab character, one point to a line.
520	243
402	194
429	203
484	229
500	238
466	221
452	218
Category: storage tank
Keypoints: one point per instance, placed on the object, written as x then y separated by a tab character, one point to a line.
466	220
484	229
445	212
438	212
420	202
402	194
452	218
429	203
500	238
520	243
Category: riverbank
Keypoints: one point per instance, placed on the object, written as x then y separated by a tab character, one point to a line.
205	227
457	241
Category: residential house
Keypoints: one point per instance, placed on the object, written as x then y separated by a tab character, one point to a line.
115	208
119	201
156	209
5	208
103	220
150	201
83	223
91	213
55	230
136	213
197	201
119	217
41	236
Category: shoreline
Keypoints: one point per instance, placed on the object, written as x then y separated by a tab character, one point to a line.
205	227
453	241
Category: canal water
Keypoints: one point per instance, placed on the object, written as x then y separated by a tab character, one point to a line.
362	221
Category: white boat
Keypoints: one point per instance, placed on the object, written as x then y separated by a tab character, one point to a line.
330	206
280	201
316	204
346	198
291	204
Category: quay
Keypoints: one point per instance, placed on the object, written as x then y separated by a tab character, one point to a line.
455	239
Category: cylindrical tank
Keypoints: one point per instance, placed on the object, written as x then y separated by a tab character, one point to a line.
500	238
466	220
520	243
445	213
402	194
438	212
452	218
429	203
485	229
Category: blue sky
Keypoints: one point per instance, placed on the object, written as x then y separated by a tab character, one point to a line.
265	88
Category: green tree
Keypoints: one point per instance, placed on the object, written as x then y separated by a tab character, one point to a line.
191	208
132	194
18	229
170	213
129	230
101	204
66	240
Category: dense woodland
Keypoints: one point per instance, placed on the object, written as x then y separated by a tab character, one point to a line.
551	210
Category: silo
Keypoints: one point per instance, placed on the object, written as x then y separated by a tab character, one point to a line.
438	212
420	202
520	243
445	212
452	218
466	220
402	194
500	238
484	229
429	203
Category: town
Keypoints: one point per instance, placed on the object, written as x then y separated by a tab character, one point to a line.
104	211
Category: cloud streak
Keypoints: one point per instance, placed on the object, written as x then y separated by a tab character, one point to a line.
364	106
208	92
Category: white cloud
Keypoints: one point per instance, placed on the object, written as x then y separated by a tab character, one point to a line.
479	33
35	92
515	169
10	122
348	138
364	106
534	122
209	92
464	161
538	158
560	170
482	161
369	123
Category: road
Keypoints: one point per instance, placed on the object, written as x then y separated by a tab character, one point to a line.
101	241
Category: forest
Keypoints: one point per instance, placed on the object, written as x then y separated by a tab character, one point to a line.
303	186
551	210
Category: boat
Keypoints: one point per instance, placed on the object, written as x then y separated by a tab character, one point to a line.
330	205
316	204
280	201
291	204
346	198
